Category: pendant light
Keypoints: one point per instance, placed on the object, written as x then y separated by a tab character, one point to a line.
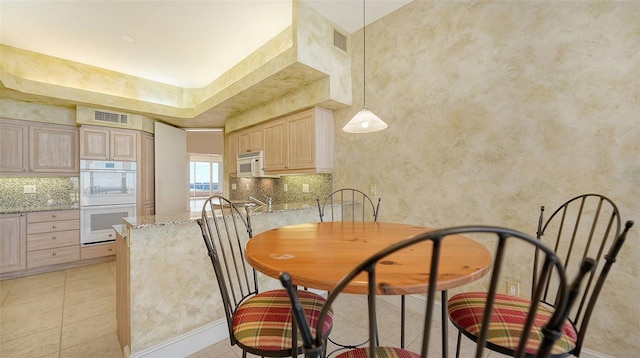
364	121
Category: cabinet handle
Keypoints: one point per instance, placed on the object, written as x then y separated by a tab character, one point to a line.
24	169
54	254
53	237
54	226
54	216
110	250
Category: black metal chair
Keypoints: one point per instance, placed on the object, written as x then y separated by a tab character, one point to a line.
542	325
584	226
259	322
342	205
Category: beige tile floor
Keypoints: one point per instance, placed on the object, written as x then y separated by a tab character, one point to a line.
68	313
71	313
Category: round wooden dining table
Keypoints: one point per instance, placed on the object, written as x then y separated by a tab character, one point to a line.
317	255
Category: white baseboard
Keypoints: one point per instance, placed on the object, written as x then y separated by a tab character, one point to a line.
188	343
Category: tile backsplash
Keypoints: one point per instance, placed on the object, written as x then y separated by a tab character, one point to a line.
319	185
50	193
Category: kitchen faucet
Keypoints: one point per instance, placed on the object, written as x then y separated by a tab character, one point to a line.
269	200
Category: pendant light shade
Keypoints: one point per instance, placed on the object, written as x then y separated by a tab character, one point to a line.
364	121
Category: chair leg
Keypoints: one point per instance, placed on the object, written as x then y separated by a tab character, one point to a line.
458	344
445	325
402	315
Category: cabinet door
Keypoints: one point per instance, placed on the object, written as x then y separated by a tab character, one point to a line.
146	174
232	155
13	242
275	145
257	138
53	149
244	142
123	144
94	143
14	147
301	141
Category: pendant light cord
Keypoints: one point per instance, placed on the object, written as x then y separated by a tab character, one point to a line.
364	54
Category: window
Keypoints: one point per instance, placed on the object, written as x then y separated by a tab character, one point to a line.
205	178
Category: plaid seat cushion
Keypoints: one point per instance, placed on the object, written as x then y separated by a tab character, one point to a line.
509	314
264	320
381	352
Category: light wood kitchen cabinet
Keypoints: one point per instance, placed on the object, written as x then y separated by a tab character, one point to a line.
38	148
300	143
251	140
102	250
146	176
53	237
100	143
13	242
232	158
275	145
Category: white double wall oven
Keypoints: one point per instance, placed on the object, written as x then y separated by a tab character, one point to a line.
107	194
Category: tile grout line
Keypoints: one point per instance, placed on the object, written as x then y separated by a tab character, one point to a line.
64	299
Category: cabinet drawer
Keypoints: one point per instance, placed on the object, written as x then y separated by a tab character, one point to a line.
50	240
90	252
53	256
53	215
53	226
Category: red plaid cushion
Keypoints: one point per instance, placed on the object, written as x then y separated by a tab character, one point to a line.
509	314
264	320
381	352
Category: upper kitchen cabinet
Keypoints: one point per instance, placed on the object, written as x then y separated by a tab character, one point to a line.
101	143
275	145
29	147
300	143
251	140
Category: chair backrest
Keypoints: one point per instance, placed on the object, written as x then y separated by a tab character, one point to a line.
382	260
587	225
225	230
348	205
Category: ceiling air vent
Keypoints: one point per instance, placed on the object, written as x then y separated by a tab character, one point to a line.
339	40
111	117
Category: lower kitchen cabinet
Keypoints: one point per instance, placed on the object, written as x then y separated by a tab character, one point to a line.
13	242
44	241
53	237
91	252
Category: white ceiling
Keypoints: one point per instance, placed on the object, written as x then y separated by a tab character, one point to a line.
182	43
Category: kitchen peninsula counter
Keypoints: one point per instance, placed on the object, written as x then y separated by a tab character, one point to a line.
167	292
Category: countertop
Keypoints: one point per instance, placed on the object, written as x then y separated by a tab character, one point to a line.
139	222
30	209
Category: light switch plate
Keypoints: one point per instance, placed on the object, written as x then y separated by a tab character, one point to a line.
29	189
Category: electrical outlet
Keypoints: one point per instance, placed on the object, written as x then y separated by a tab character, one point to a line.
286	187
305	188
233	186
29	189
513	289
373	189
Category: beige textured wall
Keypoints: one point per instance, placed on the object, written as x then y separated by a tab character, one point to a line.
495	108
205	142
